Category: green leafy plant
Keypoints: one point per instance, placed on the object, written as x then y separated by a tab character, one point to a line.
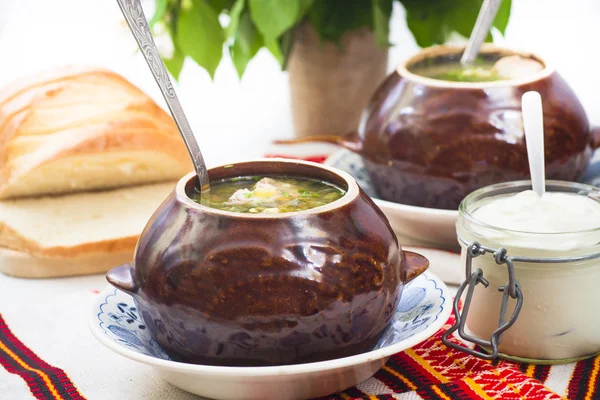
200	28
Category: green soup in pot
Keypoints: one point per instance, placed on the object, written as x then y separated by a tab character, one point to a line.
485	69
268	195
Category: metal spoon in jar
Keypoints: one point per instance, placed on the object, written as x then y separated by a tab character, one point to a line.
134	15
486	16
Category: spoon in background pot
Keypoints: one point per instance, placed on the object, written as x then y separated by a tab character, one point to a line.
533	123
485	18
134	15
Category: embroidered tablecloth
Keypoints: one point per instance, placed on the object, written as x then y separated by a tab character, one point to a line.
83	369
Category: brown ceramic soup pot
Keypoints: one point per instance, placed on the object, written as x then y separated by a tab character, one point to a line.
224	288
429	143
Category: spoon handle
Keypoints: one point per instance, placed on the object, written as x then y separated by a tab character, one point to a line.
533	124
485	18
134	15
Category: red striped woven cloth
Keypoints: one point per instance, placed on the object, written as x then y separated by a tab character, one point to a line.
44	381
320	158
429	370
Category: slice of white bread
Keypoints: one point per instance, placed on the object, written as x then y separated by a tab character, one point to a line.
75	234
77	128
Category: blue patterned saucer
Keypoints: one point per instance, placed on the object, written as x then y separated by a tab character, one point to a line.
423	310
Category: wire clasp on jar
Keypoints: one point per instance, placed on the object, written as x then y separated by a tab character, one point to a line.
474	278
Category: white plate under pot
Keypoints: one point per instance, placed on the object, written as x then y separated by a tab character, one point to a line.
424	308
420	226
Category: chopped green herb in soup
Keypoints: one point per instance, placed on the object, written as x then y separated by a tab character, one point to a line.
457	73
509	67
257	194
483	71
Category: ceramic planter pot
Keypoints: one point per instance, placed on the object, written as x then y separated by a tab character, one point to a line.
330	84
429	142
224	288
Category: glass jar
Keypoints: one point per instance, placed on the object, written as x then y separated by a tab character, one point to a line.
549	283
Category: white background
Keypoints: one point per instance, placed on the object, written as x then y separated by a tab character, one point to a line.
236	120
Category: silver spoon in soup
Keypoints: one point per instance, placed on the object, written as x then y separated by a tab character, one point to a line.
134	15
482	27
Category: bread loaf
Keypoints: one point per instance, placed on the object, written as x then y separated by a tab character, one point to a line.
78	129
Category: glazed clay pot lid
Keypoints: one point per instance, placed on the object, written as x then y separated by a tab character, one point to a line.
350	193
488	48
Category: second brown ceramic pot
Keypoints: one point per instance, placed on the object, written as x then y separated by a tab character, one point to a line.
429	143
224	288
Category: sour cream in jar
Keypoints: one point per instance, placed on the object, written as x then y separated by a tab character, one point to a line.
560	318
